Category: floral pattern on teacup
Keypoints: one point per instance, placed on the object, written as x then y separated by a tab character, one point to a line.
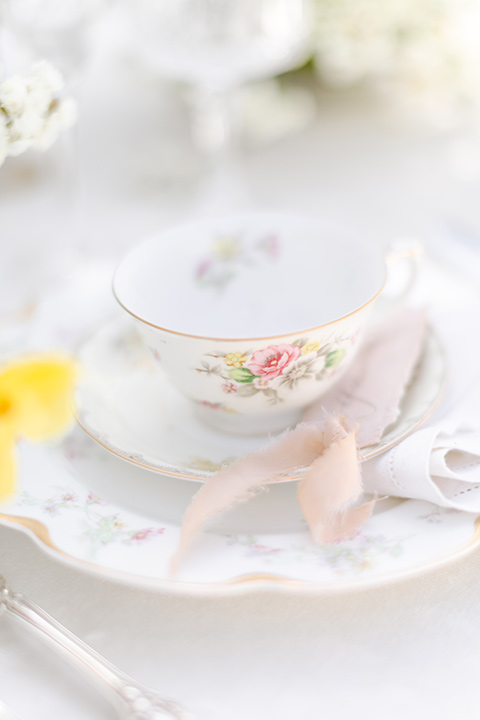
275	368
220	407
229	254
271	362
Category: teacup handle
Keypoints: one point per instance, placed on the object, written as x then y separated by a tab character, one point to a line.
408	254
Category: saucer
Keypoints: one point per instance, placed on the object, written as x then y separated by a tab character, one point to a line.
125	403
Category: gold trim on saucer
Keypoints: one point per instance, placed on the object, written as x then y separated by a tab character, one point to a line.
199	477
283	479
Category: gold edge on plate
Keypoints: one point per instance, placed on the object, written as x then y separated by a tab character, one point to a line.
38	528
41	532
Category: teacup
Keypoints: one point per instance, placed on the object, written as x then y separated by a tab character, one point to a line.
252	317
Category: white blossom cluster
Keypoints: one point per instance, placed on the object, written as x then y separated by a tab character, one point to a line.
426	51
31	113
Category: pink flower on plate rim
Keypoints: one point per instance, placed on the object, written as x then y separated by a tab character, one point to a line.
272	361
146	534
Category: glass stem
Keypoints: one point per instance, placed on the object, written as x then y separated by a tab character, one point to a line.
215	134
212	127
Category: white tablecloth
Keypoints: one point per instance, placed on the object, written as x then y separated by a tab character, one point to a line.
407	648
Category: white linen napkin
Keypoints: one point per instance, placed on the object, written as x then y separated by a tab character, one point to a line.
440	462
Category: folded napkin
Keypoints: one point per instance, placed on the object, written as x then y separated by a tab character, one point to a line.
353	415
439	463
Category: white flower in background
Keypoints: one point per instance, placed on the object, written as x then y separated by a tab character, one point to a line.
62	116
31	113
13	95
22	128
44	74
45	83
423	52
3	138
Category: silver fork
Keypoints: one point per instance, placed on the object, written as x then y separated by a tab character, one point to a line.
132	700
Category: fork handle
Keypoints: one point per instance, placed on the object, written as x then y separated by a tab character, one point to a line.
134	701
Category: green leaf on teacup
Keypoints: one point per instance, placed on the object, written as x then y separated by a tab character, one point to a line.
300	342
241	375
247	390
270	392
323	350
334	358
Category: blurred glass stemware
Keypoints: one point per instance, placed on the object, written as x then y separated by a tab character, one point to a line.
41	191
212	47
58	30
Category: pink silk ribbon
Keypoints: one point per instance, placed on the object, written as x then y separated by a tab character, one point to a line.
353	415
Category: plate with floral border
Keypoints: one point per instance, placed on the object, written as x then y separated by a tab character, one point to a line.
97	513
93	511
125	403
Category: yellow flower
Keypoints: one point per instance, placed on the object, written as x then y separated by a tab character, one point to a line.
235	359
310	347
35	404
226	248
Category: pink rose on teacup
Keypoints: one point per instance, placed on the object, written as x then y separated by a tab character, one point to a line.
269	363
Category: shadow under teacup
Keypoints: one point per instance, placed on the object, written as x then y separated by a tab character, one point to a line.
252	317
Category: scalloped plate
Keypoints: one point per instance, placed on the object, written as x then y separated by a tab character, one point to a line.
96	513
